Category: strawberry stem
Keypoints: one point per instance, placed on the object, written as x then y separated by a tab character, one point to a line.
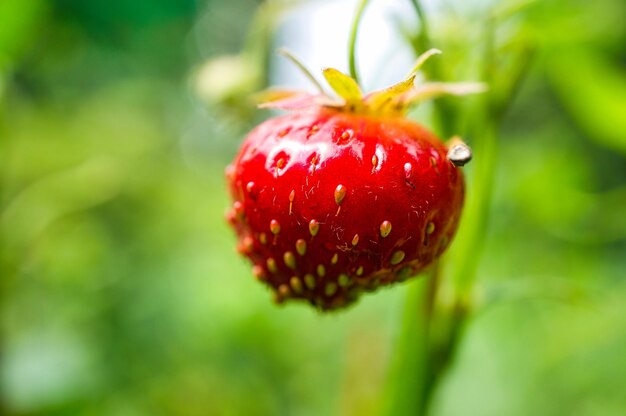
298	63
352	42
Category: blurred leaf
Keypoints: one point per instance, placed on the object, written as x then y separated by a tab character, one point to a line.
593	90
576	23
48	199
18	21
548	182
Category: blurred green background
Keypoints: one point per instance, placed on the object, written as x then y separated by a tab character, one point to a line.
122	294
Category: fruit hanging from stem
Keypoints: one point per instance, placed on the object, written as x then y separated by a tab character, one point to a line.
343	194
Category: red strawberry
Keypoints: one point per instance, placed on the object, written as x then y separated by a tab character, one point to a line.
341	198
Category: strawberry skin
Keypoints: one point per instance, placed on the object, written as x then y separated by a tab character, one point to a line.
329	204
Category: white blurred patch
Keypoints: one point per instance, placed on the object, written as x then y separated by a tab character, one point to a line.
45	369
318	34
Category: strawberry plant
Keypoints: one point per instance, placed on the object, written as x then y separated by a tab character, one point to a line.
345	195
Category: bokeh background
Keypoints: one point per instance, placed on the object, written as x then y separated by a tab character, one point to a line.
121	292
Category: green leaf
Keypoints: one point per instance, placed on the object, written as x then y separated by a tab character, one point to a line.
344	85
592	89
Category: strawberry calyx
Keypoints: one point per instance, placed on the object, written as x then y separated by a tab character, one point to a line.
393	101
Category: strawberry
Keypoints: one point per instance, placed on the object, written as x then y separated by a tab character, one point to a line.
343	196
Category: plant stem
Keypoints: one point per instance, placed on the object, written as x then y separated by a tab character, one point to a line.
421	16
465	253
445	117
352	42
438	306
408	380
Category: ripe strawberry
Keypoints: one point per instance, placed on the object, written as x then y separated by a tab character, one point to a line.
339	198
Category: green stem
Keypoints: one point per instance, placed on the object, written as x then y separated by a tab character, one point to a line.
421	16
471	235
445	117
465	254
410	379
438	306
433	323
423	349
352	42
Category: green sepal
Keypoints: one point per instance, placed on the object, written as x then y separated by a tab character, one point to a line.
294	100
378	100
436	89
344	86
275	94
423	58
